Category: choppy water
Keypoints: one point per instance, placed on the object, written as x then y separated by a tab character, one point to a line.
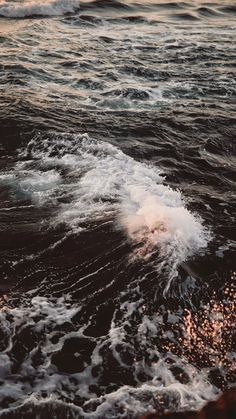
117	211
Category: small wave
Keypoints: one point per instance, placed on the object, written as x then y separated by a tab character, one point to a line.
172	5
130	19
185	16
207	11
37	8
229	9
83	19
130	93
111	4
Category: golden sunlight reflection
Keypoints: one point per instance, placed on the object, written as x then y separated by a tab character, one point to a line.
210	331
206	337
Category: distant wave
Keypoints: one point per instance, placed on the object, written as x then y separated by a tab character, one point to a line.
37	8
114	4
31	8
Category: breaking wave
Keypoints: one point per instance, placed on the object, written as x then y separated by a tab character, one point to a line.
90	181
37	8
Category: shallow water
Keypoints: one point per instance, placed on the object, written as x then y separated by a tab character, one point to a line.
117	210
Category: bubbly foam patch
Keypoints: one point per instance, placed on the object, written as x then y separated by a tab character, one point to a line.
37	8
43	317
101	182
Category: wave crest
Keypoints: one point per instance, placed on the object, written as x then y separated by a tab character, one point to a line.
98	181
37	8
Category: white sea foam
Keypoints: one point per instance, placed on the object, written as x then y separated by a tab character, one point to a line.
101	181
12	9
44	316
39	186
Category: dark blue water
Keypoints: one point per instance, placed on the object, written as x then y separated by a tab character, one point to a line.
117	210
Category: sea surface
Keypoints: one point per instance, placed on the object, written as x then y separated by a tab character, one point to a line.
117	206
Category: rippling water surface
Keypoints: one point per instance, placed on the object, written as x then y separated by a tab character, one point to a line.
117	210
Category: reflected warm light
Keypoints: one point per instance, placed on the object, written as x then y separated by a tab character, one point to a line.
206	337
209	335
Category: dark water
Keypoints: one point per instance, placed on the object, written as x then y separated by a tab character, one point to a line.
117	210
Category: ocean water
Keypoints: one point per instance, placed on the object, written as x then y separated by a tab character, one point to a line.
117	209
